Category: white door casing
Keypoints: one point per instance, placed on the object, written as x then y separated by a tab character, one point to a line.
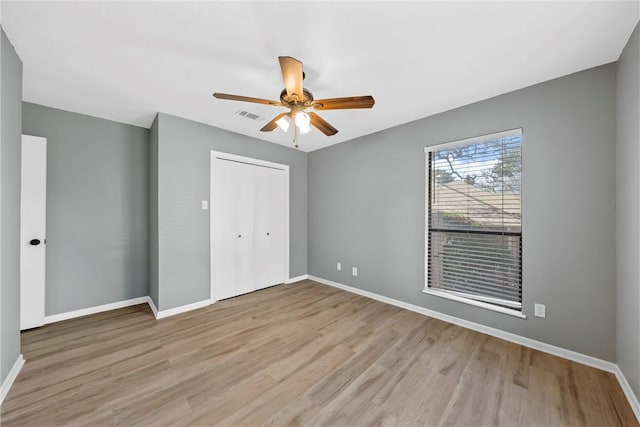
250	236
33	201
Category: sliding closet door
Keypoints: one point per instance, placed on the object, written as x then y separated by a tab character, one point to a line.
233	228
270	210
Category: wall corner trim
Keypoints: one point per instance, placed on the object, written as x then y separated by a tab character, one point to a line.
96	309
11	377
182	309
296	279
628	391
152	306
507	336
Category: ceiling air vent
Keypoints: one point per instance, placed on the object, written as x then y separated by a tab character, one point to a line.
249	115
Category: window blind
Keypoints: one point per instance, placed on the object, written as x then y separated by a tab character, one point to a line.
474	218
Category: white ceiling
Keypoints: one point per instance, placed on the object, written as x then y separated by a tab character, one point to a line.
126	61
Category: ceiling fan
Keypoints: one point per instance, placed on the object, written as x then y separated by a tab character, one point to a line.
298	99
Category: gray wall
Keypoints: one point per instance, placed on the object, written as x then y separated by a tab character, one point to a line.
628	212
97	208
10	147
368	211
153	212
183	181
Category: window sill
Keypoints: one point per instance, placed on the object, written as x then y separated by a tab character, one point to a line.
475	303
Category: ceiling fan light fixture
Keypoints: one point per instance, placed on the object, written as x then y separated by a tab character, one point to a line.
302	119
283	123
303	122
304	129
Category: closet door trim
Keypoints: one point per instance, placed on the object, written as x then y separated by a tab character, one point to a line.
215	155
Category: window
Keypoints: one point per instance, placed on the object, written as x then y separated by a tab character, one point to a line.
473	221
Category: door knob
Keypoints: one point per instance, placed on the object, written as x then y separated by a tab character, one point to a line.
34	242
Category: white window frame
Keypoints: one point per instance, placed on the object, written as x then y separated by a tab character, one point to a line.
452	295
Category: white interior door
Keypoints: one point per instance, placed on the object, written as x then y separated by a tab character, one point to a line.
223	246
244	231
270	202
33	219
233	228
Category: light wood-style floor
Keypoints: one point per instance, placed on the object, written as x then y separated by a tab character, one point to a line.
302	354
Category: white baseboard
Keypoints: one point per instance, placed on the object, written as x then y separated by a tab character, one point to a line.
153	307
182	309
11	377
93	310
628	391
296	279
158	314
508	336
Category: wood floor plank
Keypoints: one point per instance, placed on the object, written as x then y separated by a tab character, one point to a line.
354	401
300	411
432	375
264	407
211	408
365	355
300	354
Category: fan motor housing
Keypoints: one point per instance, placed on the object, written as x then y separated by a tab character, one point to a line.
287	100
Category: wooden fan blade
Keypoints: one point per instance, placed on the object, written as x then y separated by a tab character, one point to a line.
272	124
246	99
292	75
321	124
344	103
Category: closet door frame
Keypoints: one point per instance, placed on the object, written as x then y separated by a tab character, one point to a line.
218	155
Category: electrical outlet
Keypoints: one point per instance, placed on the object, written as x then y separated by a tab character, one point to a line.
205	205
354	271
540	310
338	266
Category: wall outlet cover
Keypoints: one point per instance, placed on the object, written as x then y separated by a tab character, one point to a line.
540	310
